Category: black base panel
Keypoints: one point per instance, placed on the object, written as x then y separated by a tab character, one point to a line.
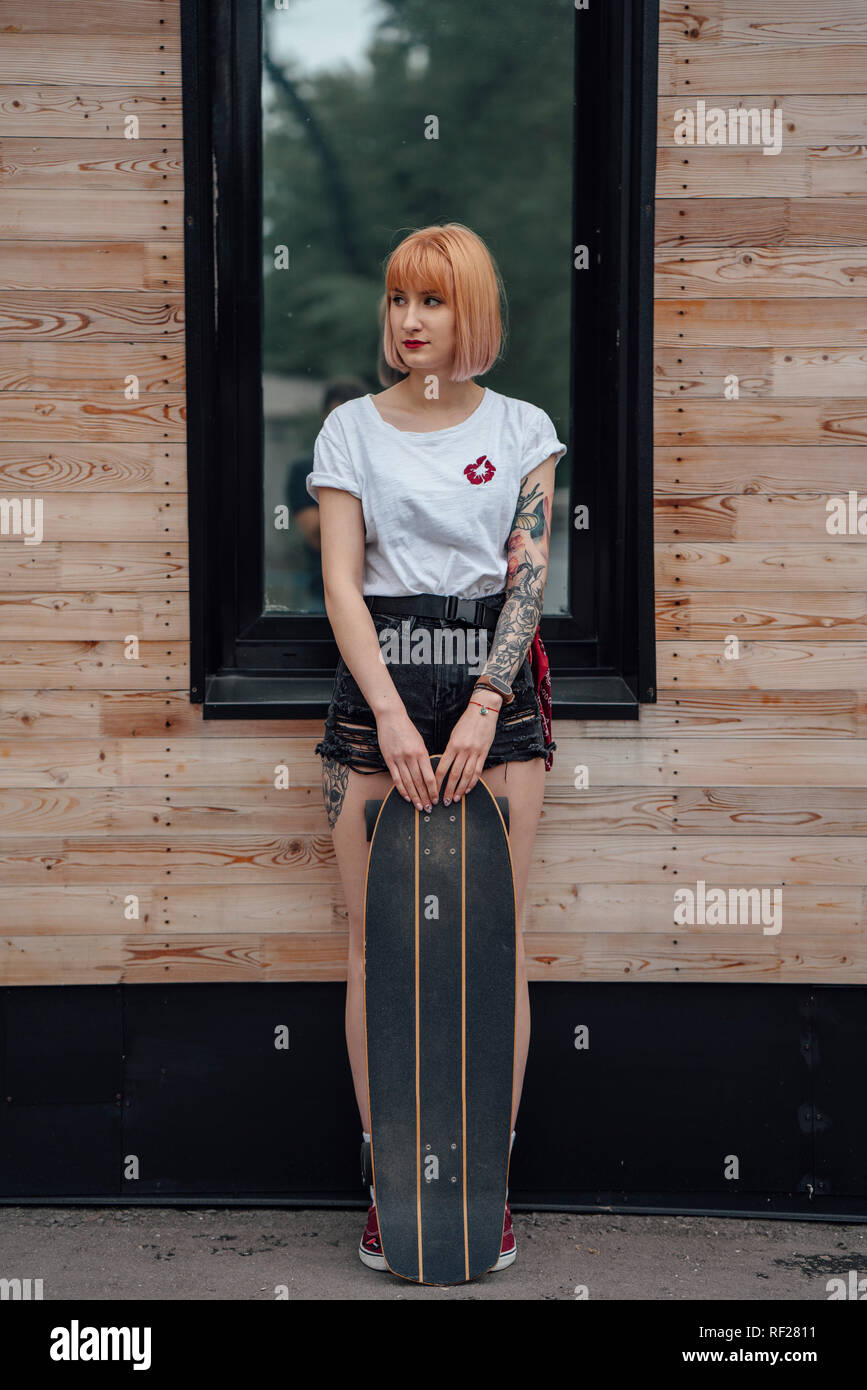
440	1019
195	1083
146	1091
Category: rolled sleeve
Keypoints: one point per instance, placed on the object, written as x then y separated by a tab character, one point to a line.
332	465
540	441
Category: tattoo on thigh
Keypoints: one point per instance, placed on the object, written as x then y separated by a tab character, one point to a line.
335	780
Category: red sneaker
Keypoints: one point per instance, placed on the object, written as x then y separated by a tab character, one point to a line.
508	1248
370	1248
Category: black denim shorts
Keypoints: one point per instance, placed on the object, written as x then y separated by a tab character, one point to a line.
435	693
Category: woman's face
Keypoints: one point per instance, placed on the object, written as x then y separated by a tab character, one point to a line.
423	324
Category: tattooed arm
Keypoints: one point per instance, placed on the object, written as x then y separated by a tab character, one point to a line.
527	571
462	761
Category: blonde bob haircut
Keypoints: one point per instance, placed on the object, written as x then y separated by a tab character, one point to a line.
452	262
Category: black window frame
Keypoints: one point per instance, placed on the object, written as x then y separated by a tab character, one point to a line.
245	663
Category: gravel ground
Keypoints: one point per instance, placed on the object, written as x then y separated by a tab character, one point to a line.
245	1253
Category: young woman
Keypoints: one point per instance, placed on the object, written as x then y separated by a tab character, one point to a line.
435	488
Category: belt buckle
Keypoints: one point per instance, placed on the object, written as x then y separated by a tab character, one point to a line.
452	606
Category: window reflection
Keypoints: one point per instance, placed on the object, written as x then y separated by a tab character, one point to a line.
352	91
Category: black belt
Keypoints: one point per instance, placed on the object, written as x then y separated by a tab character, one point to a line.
475	612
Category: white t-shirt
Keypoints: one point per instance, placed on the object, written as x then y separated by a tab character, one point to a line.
438	505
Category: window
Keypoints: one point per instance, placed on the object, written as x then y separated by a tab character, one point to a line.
317	133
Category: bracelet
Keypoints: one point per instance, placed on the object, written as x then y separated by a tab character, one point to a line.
482	684
486	709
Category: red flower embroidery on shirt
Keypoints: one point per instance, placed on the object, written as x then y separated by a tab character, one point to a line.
472	470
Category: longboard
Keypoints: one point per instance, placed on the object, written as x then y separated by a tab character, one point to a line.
439	1007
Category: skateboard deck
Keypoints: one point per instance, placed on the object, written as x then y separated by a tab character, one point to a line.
439	1007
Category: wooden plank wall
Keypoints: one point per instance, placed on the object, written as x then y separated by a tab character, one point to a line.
142	844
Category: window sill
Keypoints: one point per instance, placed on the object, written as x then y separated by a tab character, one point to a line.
240	695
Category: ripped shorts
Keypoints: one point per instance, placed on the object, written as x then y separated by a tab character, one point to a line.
436	694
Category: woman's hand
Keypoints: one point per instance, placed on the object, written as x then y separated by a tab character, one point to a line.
468	746
407	758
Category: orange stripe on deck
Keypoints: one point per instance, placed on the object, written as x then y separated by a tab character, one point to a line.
417	1070
464	1024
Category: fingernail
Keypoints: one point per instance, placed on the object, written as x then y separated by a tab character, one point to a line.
428	807
448	801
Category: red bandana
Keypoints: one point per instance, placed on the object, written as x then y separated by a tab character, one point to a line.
542	680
